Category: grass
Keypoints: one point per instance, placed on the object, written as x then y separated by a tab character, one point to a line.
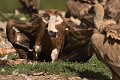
11	5
93	69
8	16
7	8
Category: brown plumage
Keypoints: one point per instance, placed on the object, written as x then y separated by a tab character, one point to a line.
65	33
107	41
77	44
48	37
31	6
80	9
22	35
112	10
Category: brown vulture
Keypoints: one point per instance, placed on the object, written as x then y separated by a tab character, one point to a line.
107	41
80	9
49	37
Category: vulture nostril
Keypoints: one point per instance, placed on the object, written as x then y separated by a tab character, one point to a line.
52	34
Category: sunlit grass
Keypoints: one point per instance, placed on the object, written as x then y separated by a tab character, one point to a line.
93	69
13	16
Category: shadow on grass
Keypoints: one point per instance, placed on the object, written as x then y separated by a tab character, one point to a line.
89	74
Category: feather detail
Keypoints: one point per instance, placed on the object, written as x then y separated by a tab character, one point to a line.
111	29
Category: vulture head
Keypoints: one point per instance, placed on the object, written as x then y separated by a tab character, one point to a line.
52	18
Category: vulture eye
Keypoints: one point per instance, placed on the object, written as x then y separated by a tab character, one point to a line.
57	21
46	16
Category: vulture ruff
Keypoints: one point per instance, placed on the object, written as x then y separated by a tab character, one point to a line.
107	41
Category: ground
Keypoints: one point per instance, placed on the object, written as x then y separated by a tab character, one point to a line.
34	76
93	70
38	76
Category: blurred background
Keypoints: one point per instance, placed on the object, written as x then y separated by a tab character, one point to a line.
11	5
